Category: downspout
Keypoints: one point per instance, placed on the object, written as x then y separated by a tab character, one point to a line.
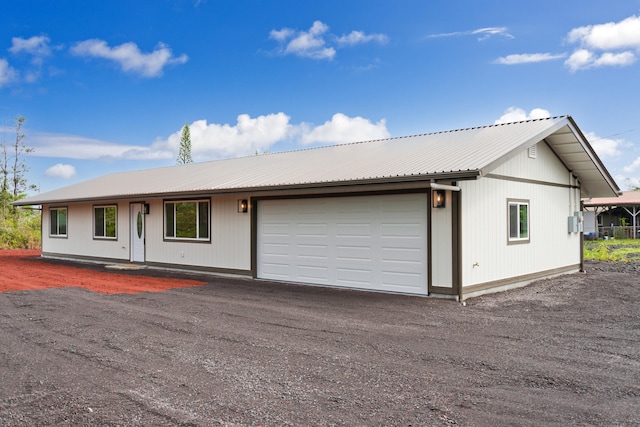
582	270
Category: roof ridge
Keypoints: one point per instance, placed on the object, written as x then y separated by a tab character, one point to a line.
366	141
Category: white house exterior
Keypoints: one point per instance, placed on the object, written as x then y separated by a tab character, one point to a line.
359	215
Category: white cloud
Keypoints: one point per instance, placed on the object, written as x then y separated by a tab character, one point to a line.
248	135
307	44
214	141
61	170
610	44
484	33
605	147
79	147
358	37
515	114
610	36
313	43
7	73
633	166
621	59
37	46
630	183
342	129
526	58
129	56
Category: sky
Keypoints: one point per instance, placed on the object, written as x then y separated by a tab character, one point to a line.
108	86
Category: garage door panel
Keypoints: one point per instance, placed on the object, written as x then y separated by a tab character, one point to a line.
320	252
402	255
354	253
276	249
276	229
401	230
367	242
353	229
313	273
401	281
354	278
276	271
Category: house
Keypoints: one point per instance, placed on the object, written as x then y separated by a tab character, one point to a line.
454	214
617	217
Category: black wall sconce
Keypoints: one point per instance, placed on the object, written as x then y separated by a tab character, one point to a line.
243	206
146	208
439	198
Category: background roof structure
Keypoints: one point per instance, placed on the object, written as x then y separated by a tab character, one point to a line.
626	198
458	154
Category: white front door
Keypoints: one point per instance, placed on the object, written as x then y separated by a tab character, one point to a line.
137	232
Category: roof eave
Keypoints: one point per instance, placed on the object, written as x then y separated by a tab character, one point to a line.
328	186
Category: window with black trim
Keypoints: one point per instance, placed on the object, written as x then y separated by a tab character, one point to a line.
58	222
105	222
186	220
518	220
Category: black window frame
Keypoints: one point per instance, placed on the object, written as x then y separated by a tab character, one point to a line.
104	207
201	225
57	210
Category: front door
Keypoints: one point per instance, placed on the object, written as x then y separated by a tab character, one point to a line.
137	232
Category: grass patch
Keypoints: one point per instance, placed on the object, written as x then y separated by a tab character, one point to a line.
612	250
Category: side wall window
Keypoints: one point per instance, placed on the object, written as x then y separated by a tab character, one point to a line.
518	221
186	220
58	222
105	222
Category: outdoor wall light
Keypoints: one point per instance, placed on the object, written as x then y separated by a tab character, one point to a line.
243	206
146	208
438	198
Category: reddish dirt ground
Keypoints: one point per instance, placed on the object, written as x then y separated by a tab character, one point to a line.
24	270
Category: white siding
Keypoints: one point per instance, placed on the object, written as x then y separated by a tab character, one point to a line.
230	246
486	256
441	245
80	241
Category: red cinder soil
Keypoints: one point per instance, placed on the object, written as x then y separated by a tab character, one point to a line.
23	270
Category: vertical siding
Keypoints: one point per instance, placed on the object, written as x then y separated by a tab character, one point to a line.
230	245
80	241
441	245
486	256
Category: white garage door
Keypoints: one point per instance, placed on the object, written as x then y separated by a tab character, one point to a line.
366	242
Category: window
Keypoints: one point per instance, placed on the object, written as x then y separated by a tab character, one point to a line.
518	218
58	222
105	222
186	220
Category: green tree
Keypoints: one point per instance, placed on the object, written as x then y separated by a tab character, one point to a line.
18	228
184	155
5	195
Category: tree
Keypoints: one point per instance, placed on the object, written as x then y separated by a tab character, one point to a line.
5	198
18	228
184	155
19	168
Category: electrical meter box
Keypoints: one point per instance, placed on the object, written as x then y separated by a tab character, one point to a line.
575	222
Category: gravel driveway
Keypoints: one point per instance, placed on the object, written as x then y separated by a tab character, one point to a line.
559	352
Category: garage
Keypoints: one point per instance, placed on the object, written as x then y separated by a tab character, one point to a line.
364	242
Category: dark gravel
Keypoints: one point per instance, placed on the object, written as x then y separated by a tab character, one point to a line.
564	351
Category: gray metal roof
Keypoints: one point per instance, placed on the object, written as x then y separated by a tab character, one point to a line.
627	198
457	154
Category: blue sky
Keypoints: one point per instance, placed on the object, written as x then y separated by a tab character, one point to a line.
108	86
